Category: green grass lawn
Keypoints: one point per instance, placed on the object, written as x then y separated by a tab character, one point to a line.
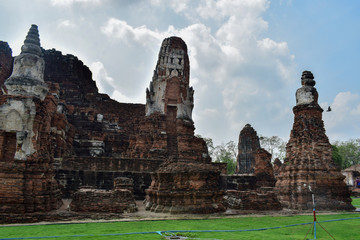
349	229
356	202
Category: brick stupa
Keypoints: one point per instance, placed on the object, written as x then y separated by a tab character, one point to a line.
308	168
187	182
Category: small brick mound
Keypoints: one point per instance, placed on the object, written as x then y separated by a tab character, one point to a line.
98	200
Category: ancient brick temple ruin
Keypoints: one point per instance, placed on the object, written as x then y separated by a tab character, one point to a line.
62	139
252	187
59	135
308	168
187	181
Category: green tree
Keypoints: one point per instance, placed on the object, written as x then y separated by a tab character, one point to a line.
349	151
274	145
336	156
226	153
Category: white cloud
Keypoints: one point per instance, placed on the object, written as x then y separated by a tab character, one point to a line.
210	112
224	8
175	5
356	111
343	101
118	96
268	44
342	122
66	24
104	82
240	77
63	3
242	19
207	9
119	29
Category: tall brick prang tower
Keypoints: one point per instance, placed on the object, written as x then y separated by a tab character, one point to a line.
167	131
169	89
308	168
187	182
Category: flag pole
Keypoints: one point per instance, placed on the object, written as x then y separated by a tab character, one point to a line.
313	199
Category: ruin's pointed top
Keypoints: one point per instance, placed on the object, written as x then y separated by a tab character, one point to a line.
175	42
307	78
32	41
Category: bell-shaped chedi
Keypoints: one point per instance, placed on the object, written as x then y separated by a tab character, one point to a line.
27	183
187	182
25	83
248	145
27	78
308	168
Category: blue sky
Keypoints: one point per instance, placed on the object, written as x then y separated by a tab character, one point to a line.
246	56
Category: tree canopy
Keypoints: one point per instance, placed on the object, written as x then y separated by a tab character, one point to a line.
274	145
224	153
346	153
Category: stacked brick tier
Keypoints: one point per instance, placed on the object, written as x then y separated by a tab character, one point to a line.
118	200
254	191
100	172
162	138
185	187
29	185
259	200
99	200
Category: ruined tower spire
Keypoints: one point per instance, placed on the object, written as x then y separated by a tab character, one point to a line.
32	41
249	143
27	78
307	94
169	89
